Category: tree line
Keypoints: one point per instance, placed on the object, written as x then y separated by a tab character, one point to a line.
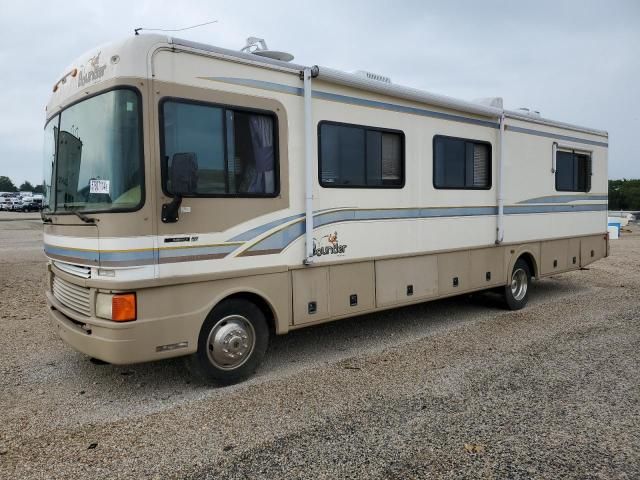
7	185
624	194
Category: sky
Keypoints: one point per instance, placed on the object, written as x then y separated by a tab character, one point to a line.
574	61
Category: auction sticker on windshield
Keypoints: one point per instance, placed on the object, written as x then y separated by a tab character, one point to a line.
98	186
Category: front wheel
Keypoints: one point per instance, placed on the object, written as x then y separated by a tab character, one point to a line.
516	293
232	343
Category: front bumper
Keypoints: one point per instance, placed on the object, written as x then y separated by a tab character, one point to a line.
117	343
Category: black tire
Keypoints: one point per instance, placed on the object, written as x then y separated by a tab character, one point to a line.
516	292
231	319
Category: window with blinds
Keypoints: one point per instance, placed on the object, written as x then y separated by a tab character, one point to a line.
391	157
353	156
460	163
480	165
573	171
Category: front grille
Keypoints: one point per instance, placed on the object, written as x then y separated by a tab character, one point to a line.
72	296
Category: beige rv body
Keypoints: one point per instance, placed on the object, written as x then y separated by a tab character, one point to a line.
403	246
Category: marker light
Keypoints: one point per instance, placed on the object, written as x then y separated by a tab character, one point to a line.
119	307
73	73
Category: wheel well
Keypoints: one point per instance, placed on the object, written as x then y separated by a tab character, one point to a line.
531	263
259	302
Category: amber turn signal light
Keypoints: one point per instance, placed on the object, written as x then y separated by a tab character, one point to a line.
123	307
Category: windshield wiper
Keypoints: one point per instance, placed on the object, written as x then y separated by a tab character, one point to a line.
83	217
46	218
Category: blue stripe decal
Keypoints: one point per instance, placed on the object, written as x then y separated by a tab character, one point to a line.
249	82
401	108
396	214
144	256
556	136
197	251
515	210
254	232
277	87
260	229
287	235
107	256
283	238
72	252
564	198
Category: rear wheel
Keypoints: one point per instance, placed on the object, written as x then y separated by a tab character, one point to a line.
516	293
232	343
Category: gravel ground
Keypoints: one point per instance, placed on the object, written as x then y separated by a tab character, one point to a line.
451	389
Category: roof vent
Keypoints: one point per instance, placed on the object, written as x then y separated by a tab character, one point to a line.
258	46
528	112
373	76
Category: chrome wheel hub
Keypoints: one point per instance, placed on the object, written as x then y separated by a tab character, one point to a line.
231	342
519	284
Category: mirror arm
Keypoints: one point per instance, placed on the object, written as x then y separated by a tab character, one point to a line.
170	210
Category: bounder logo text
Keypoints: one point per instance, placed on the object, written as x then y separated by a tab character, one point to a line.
328	245
94	71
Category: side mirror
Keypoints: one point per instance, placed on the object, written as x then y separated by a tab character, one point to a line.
183	174
183	180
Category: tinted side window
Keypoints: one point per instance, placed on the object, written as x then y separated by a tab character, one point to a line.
342	160
565	175
198	130
583	165
461	164
234	150
573	171
450	158
354	156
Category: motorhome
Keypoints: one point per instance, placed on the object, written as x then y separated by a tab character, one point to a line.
201	199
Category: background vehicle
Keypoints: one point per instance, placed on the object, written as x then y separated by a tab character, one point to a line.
30	204
37	202
15	204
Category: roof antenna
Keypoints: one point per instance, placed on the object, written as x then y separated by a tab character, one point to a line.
139	29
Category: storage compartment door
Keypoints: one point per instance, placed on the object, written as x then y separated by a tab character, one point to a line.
592	249
404	280
453	272
351	288
554	256
487	267
310	294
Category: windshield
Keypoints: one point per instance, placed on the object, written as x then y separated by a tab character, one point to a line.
97	165
49	157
